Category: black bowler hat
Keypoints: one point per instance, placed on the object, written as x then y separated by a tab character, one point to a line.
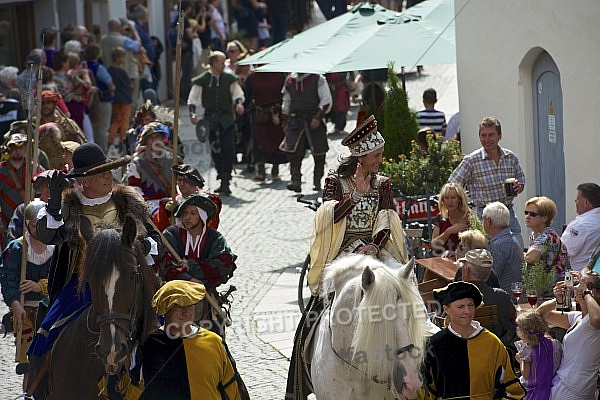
458	291
197	200
89	159
190	173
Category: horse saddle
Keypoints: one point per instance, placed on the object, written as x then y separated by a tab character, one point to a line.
307	349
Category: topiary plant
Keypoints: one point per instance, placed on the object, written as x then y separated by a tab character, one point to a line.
401	125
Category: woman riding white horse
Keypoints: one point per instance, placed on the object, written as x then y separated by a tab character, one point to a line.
358	216
369	342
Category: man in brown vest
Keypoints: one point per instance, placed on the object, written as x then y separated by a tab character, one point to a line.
306	100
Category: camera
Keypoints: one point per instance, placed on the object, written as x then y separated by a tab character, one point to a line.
569	280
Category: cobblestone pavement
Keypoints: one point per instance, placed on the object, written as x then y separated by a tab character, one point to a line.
269	231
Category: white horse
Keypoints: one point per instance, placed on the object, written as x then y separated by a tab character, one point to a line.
369	342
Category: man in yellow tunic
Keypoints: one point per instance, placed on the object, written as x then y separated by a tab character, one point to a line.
183	361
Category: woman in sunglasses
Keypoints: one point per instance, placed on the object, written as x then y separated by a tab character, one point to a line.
544	243
577	374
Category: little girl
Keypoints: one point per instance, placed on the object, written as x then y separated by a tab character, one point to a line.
538	354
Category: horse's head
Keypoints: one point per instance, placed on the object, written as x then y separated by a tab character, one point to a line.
121	287
387	335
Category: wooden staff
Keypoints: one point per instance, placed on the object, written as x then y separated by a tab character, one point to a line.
31	166
210	298
177	97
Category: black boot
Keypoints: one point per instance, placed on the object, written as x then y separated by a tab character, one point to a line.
224	188
295	186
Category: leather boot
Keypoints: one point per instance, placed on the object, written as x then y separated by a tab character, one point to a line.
318	171
275	173
40	382
261	174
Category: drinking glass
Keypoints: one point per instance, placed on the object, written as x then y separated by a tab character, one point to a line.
517	291
532	298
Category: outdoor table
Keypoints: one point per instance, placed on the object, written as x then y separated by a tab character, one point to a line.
438	268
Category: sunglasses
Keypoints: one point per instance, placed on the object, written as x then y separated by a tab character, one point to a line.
533	214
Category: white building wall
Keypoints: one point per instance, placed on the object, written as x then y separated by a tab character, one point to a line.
497	43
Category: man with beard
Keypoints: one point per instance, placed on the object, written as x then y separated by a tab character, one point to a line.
12	180
68	128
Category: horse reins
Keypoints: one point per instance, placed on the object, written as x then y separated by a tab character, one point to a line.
399	351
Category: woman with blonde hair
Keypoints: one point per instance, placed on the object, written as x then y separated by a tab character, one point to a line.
544	243
454	218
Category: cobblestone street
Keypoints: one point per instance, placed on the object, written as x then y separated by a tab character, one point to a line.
269	231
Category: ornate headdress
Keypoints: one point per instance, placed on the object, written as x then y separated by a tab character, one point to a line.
365	138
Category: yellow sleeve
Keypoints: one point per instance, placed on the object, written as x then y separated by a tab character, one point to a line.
515	390
232	390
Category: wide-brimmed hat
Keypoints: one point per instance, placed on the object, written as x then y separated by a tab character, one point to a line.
177	292
365	138
152	128
16	127
197	200
190	173
89	159
19	126
17	139
40	177
458	291
478	257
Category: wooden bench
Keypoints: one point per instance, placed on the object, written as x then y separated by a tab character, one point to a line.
487	316
426	288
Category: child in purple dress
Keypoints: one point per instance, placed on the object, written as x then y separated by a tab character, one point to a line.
538	354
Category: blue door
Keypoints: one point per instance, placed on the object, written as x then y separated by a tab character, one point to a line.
548	135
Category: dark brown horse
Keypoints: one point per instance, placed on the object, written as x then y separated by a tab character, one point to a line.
102	340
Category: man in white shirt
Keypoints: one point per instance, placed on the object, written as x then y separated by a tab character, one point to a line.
583	233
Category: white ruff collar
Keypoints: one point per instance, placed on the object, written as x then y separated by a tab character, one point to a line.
38	258
86	201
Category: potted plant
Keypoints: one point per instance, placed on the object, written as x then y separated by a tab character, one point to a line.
539	277
409	173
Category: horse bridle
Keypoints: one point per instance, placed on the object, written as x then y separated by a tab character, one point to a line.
387	382
112	318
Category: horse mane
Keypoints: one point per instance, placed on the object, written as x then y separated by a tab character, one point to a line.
106	249
372	334
336	274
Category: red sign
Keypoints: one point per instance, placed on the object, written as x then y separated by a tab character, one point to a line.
418	210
